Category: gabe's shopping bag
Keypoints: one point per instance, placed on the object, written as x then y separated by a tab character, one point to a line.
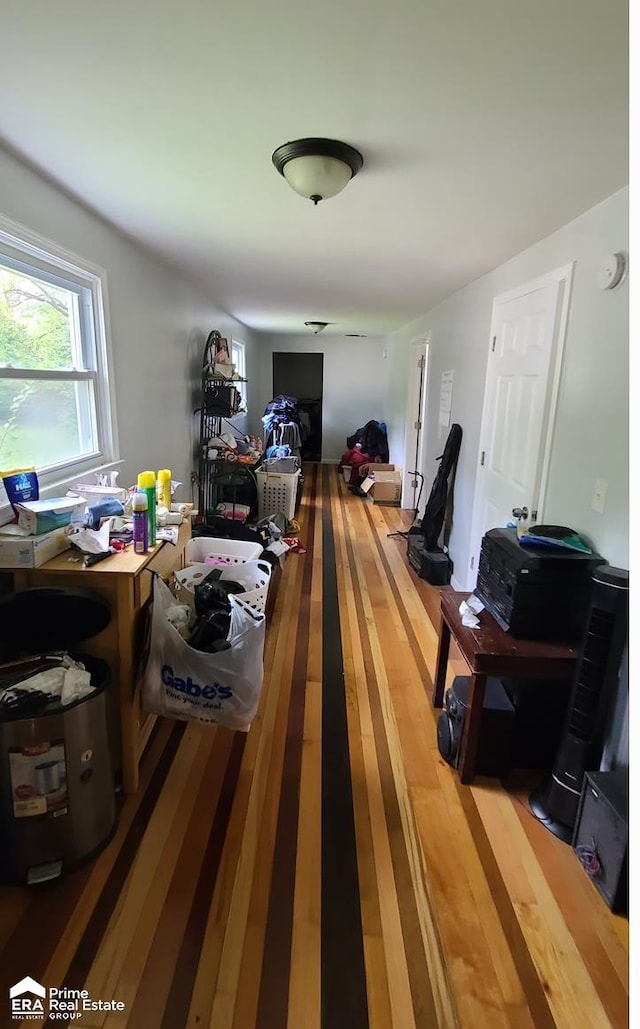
180	682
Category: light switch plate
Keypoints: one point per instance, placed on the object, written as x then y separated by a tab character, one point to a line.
599	496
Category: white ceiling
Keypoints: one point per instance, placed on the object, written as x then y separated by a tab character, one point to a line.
484	125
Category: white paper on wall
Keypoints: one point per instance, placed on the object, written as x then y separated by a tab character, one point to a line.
446	396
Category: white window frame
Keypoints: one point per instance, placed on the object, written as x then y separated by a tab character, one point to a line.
239	358
26	251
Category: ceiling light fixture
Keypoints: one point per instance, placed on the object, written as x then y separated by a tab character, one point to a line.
317	168
317	327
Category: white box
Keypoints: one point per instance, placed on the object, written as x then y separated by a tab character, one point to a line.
31	551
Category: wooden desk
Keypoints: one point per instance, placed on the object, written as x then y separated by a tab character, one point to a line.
124	581
488	650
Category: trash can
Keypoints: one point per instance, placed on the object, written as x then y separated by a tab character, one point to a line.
57	787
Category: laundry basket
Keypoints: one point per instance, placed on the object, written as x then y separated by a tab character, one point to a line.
232	552
277	493
253	575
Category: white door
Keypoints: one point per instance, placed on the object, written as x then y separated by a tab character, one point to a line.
415	426
519	401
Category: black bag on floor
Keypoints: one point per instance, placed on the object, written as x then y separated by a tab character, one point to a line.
434	513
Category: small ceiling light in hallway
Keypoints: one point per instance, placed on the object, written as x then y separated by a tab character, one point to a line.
317	327
317	168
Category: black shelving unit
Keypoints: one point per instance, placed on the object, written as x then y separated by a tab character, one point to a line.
220	480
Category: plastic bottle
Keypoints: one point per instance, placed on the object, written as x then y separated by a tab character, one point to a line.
164	488
139	506
147	482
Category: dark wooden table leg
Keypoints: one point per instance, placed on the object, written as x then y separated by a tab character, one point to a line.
441	663
471	733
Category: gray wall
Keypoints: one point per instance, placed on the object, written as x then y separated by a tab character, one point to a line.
159	324
591	437
354	387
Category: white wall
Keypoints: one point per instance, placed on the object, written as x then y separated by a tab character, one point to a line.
354	388
591	439
159	325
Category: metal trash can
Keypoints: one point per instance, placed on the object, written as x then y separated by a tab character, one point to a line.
57	788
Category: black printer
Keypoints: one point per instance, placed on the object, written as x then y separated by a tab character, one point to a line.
535	593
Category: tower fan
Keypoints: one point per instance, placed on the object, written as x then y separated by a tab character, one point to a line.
581	746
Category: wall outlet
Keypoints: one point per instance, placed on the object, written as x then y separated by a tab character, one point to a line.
599	496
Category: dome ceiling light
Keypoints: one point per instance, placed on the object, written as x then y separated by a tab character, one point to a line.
317	327
317	168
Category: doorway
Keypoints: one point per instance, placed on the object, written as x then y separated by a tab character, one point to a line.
415	434
528	327
300	375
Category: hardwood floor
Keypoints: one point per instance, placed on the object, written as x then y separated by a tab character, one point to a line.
327	870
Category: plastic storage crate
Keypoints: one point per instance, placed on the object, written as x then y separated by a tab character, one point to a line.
277	493
253	575
232	552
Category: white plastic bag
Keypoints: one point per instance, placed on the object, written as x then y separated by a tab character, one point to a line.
180	682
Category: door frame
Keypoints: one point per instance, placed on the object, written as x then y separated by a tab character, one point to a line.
563	278
302	353
414	437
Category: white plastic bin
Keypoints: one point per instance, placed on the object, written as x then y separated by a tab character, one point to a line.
277	493
232	552
253	575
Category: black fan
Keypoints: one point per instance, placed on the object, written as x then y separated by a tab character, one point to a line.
580	750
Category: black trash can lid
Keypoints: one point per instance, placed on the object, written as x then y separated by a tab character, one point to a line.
50	618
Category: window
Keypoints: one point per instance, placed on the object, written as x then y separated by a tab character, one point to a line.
238	358
55	402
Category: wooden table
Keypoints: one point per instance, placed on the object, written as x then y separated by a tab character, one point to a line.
488	650
124	581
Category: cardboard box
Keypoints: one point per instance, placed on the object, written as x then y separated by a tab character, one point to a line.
38	517
383	485
31	551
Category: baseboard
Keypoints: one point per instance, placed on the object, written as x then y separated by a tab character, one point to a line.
458	587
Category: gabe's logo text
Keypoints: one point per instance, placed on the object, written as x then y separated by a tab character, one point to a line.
194	689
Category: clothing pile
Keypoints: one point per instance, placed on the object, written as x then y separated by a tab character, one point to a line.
282	423
372	438
368	445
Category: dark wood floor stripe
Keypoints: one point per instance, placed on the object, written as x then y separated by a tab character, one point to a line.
342	981
179	999
416	649
520	952
424	1008
531	984
156	979
92	937
273	999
